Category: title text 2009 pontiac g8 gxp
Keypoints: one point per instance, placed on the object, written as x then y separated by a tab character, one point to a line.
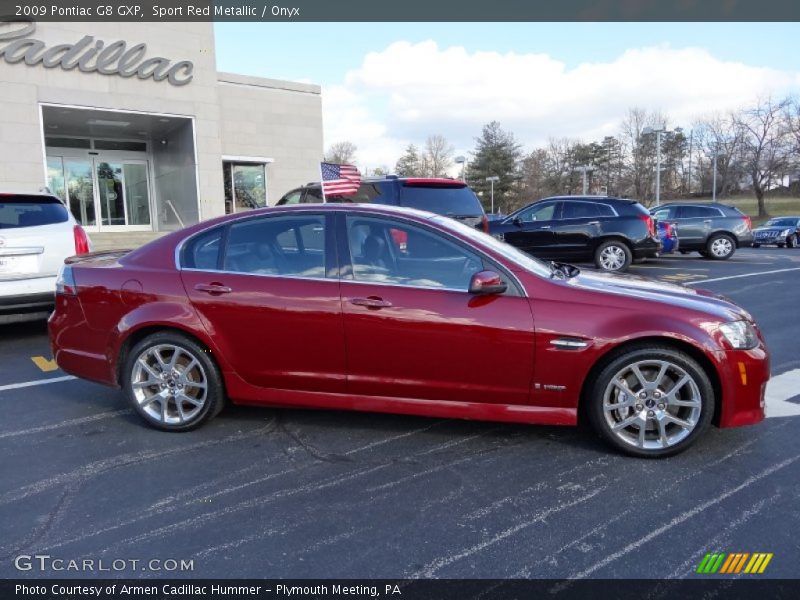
393	310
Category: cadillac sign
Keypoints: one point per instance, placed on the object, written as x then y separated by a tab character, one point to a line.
89	56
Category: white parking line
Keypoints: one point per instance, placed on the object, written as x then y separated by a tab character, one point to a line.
24	384
744	275
779	389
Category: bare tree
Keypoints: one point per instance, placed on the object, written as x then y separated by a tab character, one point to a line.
438	156
341	153
766	151
720	135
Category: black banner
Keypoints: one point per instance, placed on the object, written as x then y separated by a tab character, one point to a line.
596	589
407	10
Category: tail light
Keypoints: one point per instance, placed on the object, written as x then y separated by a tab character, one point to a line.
748	222
65	282
667	230
81	240
651	224
485	224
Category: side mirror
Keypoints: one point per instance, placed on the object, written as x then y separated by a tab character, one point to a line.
486	282
517	221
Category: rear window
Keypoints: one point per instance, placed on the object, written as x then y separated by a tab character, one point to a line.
20	210
442	200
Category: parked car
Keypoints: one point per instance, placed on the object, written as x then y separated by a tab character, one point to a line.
448	197
712	229
780	231
610	231
668	236
442	327
37	233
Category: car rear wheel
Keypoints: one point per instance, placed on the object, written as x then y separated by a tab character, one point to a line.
651	402
613	256
172	382
720	247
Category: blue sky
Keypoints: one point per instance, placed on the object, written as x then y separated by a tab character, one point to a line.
389	84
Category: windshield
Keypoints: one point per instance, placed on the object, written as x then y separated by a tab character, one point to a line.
519	258
781	223
20	210
442	200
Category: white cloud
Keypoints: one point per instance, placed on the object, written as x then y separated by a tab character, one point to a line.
408	91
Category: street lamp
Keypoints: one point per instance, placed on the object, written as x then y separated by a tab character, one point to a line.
658	132
585	169
461	160
714	185
492	179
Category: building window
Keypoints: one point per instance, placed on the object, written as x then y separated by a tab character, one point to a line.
245	186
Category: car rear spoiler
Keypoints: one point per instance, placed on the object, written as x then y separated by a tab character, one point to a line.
97	256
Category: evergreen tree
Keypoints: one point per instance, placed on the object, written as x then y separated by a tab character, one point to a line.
497	153
410	164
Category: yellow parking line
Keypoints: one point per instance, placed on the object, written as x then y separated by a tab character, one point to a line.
44	364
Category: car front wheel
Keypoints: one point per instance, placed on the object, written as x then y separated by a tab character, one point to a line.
172	382
720	247
613	256
791	241
651	402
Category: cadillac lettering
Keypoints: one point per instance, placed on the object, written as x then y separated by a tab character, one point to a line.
89	55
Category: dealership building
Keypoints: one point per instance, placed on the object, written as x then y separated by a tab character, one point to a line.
134	128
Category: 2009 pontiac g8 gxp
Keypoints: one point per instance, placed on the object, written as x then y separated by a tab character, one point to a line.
387	309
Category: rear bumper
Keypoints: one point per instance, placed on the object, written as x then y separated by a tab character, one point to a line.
745	240
743	375
27	295
647	248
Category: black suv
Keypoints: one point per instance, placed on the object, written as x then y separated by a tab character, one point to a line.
449	197
610	231
712	229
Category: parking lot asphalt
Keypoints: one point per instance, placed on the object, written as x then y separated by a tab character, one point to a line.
301	494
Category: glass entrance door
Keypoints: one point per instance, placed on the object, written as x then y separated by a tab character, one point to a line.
103	192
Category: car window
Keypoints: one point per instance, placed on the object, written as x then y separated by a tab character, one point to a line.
661	214
585	210
387	251
202	251
538	212
449	200
20	210
289	245
292	197
696	212
312	194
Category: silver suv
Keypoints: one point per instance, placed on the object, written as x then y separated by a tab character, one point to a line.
712	229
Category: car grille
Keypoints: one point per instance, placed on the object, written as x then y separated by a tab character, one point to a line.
766	235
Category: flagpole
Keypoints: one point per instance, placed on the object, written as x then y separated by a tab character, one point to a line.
322	183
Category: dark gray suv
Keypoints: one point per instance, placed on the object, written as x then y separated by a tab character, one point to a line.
712	229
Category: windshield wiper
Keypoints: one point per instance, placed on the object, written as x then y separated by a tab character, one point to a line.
560	270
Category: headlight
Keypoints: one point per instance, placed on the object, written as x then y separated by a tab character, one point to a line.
786	232
740	334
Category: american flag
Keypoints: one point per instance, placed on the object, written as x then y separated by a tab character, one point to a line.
339	180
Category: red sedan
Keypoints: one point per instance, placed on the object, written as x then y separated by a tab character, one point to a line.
321	306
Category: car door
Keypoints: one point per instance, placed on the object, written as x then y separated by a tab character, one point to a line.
694	224
412	329
267	291
531	229
578	228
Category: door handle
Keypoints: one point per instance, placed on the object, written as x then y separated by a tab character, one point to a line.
371	302
707	221
213	288
593	223
545	227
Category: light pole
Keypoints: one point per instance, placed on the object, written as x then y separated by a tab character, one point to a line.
585	169
658	132
461	160
492	179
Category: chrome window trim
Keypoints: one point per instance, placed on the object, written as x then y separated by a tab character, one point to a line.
179	247
278	276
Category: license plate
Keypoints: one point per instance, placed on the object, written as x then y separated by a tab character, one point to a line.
18	265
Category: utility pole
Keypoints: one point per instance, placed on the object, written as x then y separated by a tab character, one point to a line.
689	181
585	169
491	180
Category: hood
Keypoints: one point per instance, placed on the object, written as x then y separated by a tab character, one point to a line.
773	229
671	294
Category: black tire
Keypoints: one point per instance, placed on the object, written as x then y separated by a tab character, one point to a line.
756	245
185	387
791	241
720	246
700	388
613	256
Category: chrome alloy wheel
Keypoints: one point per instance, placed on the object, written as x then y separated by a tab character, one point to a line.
652	404
721	247
612	258
169	384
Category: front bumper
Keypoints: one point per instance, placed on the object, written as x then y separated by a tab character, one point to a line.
743	378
